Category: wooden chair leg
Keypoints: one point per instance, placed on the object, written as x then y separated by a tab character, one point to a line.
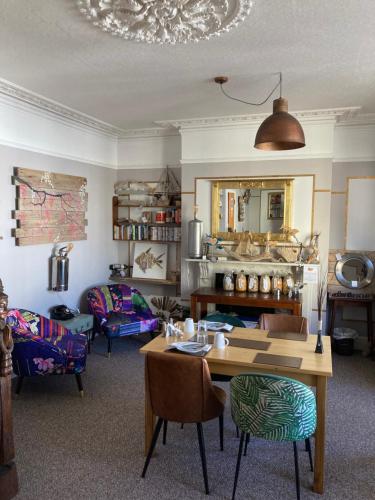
221	431
165	431
238	464
152	445
79	383
109	347
89	337
19	383
246	444
296	468
203	456
308	449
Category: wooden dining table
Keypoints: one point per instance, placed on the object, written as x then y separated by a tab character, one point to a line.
314	371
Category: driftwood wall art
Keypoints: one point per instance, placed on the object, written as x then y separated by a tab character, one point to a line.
50	208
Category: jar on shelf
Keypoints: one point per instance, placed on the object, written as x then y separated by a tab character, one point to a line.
241	282
277	283
228	281
288	284
253	283
265	283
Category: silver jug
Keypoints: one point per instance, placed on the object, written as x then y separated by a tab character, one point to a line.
195	234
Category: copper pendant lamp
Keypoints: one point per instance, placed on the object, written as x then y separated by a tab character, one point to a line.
279	131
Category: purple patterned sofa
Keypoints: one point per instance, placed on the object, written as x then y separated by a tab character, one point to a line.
120	310
43	347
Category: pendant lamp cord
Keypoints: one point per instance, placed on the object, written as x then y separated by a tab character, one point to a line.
278	85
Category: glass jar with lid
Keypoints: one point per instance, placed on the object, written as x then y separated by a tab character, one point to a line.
265	283
241	282
228	281
277	283
288	284
253	283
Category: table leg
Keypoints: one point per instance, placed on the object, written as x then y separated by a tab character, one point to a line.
203	309
331	318
149	415
297	309
321	399
370	333
193	308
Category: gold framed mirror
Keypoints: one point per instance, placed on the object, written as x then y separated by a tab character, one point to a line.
256	206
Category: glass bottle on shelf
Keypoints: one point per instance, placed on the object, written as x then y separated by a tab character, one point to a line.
241	282
253	283
288	284
228	281
265	283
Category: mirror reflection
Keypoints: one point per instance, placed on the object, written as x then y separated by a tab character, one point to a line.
354	270
259	206
255	210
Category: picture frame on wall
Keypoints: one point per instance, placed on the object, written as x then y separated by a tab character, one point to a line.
150	261
275	205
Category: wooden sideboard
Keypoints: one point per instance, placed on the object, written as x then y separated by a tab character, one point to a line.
207	295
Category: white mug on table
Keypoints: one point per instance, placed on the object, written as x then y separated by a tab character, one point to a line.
189	325
220	341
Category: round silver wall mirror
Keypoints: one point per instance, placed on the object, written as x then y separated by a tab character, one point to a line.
354	270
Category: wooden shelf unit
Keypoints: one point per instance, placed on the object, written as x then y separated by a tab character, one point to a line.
148	241
145	280
120	203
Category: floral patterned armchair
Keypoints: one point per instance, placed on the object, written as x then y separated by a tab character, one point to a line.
43	347
120	310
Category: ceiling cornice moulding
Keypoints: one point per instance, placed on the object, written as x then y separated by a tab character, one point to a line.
22	95
144	133
363	119
318	115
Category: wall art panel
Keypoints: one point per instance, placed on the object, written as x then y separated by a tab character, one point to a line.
50	207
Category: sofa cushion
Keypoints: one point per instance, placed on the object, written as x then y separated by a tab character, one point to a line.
120	324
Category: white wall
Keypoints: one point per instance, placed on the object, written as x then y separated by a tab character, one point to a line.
24	270
27	127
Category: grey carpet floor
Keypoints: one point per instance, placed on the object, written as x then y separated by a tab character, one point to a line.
92	448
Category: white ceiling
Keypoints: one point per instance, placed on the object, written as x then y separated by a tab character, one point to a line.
325	49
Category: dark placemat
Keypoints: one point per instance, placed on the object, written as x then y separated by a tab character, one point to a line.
176	351
258	345
288	336
276	359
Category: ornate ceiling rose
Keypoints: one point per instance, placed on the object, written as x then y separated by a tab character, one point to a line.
165	21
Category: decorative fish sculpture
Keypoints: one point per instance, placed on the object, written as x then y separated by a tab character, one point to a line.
147	260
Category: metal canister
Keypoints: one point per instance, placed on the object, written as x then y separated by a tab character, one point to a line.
195	234
60	271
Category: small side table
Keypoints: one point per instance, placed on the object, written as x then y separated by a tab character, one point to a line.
334	302
82	323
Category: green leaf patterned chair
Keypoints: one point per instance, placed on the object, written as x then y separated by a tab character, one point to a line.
274	408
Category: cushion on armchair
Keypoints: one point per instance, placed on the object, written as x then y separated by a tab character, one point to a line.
43	347
121	310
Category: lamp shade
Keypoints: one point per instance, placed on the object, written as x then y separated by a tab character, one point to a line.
280	131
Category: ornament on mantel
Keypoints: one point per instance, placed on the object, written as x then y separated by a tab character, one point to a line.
321	297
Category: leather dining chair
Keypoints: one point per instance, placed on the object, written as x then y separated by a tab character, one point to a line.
180	390
284	323
273	408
